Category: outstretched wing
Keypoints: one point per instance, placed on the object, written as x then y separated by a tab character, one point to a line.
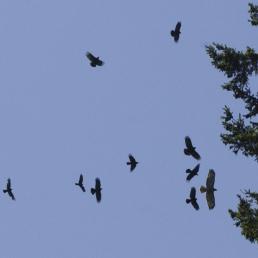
210	199
196	168
190	176
81	179
193	193
195	205
210	179
178	26
188	142
8	183
91	57
132	161
98	196
11	195
196	155
97	184
99	62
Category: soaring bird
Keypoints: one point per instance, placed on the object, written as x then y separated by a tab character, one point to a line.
190	149
209	189
9	189
80	183
94	61
132	162
192	172
193	199
97	189
175	33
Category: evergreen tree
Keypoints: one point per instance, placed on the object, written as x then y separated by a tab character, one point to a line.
241	131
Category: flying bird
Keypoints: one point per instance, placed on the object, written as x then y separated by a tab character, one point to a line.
9	189
175	33
209	189
192	172
190	149
193	199
94	61
132	162
97	190
80	183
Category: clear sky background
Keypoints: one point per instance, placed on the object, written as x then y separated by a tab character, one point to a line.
60	118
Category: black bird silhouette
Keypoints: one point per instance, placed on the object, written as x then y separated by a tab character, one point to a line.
97	190
209	189
132	162
175	33
9	189
192	172
94	61
80	183
193	199
190	149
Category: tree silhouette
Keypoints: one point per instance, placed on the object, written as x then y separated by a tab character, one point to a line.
241	131
246	216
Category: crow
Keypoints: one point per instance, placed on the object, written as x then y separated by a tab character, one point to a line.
9	189
80	183
175	33
190	149
94	61
132	162
192	172
209	189
97	190
193	199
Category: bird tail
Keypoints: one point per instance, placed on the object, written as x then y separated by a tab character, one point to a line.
172	33
203	189
93	191
5	191
128	163
187	200
188	171
76	184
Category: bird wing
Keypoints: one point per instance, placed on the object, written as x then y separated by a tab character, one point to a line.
98	196
97	184
210	199
190	176
90	56
81	179
195	205
8	183
178	26
193	193
196	155
99	62
196	168
210	179
188	142
131	158
83	188
11	195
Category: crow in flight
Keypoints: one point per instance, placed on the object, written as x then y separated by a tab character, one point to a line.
209	189
190	149
80	183
192	172
132	162
175	33
193	199
9	189
94	61
97	190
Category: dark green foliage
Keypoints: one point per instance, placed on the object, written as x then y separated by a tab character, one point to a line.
242	133
253	11
246	216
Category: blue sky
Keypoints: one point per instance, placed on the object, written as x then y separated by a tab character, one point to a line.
60	118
